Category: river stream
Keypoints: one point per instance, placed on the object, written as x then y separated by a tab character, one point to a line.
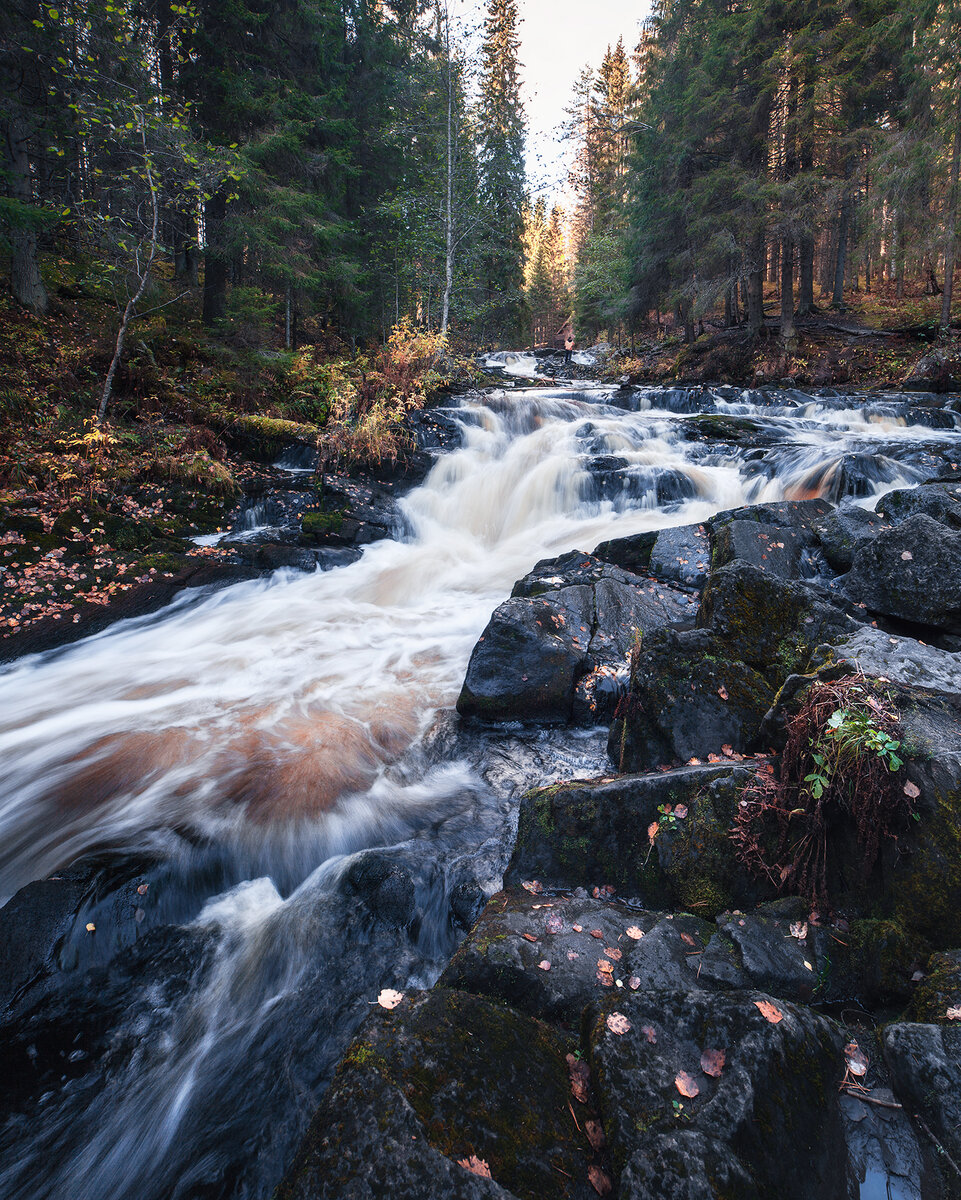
239	748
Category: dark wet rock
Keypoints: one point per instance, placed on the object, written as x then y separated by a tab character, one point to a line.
843	531
768	1126
688	697
544	640
722	427
939	992
679	555
587	834
443	1077
32	924
353	511
774	549
616	481
940	501
912	572
769	623
768	955
886	1157
385	887
500	960
925	1066
275	556
466	904
799	515
632	553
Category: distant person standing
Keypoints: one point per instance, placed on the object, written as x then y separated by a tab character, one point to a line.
569	346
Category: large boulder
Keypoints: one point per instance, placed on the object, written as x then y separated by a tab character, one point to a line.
912	572
688	697
842	532
681	554
443	1078
766	1122
596	834
940	501
925	1065
571	619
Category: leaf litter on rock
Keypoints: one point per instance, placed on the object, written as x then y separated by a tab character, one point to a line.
389	998
634	933
595	1134
618	1023
599	1181
686	1085
580	1074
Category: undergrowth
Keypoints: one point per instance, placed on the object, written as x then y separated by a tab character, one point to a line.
840	761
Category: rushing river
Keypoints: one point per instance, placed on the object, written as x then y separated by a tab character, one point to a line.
239	748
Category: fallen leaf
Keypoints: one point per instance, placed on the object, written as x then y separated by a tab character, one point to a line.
768	1011
652	831
680	812
686	1085
528	937
688	940
580	1074
475	1165
907	556
544	965
912	791
597	933
954	1014
634	983
722	692
143	889
618	1023
578	928
693	762
799	930
599	1181
389	998
605	980
809	966
634	933
595	1135
571	955
856	1059
604	966
614	953
91	928
712	1062
533	886
727	751
554	924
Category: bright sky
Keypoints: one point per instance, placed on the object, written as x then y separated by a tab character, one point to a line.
558	39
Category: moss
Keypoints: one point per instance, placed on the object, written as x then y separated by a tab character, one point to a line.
927	886
321	524
878	962
939	990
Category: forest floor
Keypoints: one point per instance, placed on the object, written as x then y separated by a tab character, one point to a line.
876	342
96	521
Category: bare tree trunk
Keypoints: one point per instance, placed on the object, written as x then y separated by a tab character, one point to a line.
755	290
26	283
950	230
131	305
215	260
840	264
787	289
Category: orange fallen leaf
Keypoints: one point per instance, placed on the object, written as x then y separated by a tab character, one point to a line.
533	886
954	1014
578	928
722	692
614	953
604	966
475	1165
680	812
686	1085
605	980
712	1062
618	1023
599	1181
528	937
634	983
768	1011
652	831
597	933
595	1135
688	940
912	791
580	1074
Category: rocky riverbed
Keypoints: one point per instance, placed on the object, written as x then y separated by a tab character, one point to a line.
534	777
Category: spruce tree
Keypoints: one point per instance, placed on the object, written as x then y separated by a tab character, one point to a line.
501	160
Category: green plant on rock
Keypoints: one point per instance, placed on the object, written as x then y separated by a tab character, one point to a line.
839	762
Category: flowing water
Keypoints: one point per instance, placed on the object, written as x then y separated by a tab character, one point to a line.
238	749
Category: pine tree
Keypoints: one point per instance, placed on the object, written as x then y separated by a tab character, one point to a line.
501	160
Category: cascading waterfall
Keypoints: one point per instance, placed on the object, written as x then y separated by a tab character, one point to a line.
246	744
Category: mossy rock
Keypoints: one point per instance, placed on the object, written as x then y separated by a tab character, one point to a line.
687	699
470	1078
873	962
768	1125
590	834
319	524
939	991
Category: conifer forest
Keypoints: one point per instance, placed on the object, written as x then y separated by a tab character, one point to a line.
480	600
